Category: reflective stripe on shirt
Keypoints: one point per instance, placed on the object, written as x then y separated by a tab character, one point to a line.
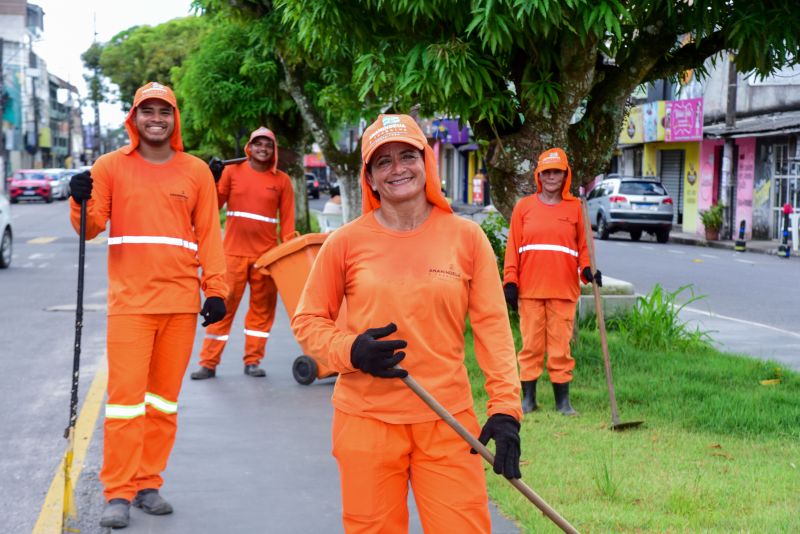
554	248
254	216
255	333
151	240
123	411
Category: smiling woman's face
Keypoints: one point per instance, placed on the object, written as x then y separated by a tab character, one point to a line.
397	172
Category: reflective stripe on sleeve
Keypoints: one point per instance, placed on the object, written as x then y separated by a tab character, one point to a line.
160	403
254	216
217	338
151	240
255	333
124	411
553	248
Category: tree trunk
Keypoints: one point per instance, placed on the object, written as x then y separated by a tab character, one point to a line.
351	196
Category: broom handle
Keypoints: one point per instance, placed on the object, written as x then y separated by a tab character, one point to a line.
598	307
442	412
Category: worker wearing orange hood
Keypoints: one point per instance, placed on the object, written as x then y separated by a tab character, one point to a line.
545	253
162	206
259	198
411	272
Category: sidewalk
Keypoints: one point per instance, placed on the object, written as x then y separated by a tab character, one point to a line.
252	454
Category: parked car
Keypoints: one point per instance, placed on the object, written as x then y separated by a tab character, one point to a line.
29	185
7	235
59	182
630	204
312	186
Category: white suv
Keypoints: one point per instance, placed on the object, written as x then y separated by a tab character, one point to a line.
6	235
632	205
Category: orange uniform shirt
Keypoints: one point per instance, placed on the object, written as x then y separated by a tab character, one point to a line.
426	281
164	227
546	249
254	201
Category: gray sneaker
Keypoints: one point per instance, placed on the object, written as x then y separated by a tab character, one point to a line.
151	502
116	514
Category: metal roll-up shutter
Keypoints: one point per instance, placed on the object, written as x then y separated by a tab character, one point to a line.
672	180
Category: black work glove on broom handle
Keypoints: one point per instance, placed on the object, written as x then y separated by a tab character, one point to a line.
504	429
378	357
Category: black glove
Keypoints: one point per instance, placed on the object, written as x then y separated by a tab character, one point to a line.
80	186
504	429
587	275
378	357
213	310
511	292
216	166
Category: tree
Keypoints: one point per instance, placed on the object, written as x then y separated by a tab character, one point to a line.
532	74
143	54
97	89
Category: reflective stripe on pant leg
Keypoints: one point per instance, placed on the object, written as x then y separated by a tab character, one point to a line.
449	483
260	315
373	471
130	342
532	328
560	317
217	333
171	354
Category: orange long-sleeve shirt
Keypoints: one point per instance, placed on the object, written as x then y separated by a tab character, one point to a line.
426	281
256	202
164	227
546	249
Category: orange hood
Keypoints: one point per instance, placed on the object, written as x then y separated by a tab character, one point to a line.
161	92
555	158
401	129
262	131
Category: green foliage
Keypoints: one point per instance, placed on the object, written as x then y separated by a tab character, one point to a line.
654	323
496	229
712	217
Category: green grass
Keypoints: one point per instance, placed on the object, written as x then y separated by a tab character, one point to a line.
718	452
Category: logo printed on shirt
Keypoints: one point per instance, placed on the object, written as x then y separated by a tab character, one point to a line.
448	273
181	195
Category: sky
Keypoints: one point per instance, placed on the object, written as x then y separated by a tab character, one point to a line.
69	27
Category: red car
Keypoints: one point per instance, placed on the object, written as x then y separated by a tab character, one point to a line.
30	184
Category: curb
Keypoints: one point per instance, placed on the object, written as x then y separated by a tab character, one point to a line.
699	242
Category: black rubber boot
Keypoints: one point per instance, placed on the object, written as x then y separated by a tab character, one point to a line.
203	373
116	514
529	396
561	392
151	502
254	370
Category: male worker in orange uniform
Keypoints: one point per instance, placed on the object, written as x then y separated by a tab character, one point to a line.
259	197
164	226
545	252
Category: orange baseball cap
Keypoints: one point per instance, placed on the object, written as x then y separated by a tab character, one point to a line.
155	90
391	129
554	158
261	131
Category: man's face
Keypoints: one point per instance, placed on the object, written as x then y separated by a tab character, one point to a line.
155	121
262	149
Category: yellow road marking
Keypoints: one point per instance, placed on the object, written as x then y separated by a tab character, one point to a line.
41	240
49	521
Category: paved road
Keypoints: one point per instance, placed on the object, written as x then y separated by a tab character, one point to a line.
750	304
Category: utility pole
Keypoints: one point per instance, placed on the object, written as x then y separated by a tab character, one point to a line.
726	185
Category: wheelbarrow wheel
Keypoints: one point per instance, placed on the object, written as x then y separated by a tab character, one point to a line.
304	370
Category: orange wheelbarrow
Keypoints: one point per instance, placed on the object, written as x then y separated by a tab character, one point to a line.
289	265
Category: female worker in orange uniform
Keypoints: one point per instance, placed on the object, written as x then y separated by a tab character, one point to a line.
546	250
411	272
258	198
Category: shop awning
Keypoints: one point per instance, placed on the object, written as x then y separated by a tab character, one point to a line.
758	126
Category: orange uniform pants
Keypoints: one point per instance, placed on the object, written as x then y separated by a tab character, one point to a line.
377	460
546	326
147	358
259	319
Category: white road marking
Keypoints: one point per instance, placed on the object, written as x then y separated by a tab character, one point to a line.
41	240
647	247
747	262
41	256
676	251
709	256
742	321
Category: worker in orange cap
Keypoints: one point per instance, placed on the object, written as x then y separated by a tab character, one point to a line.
545	253
411	272
164	227
259	197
